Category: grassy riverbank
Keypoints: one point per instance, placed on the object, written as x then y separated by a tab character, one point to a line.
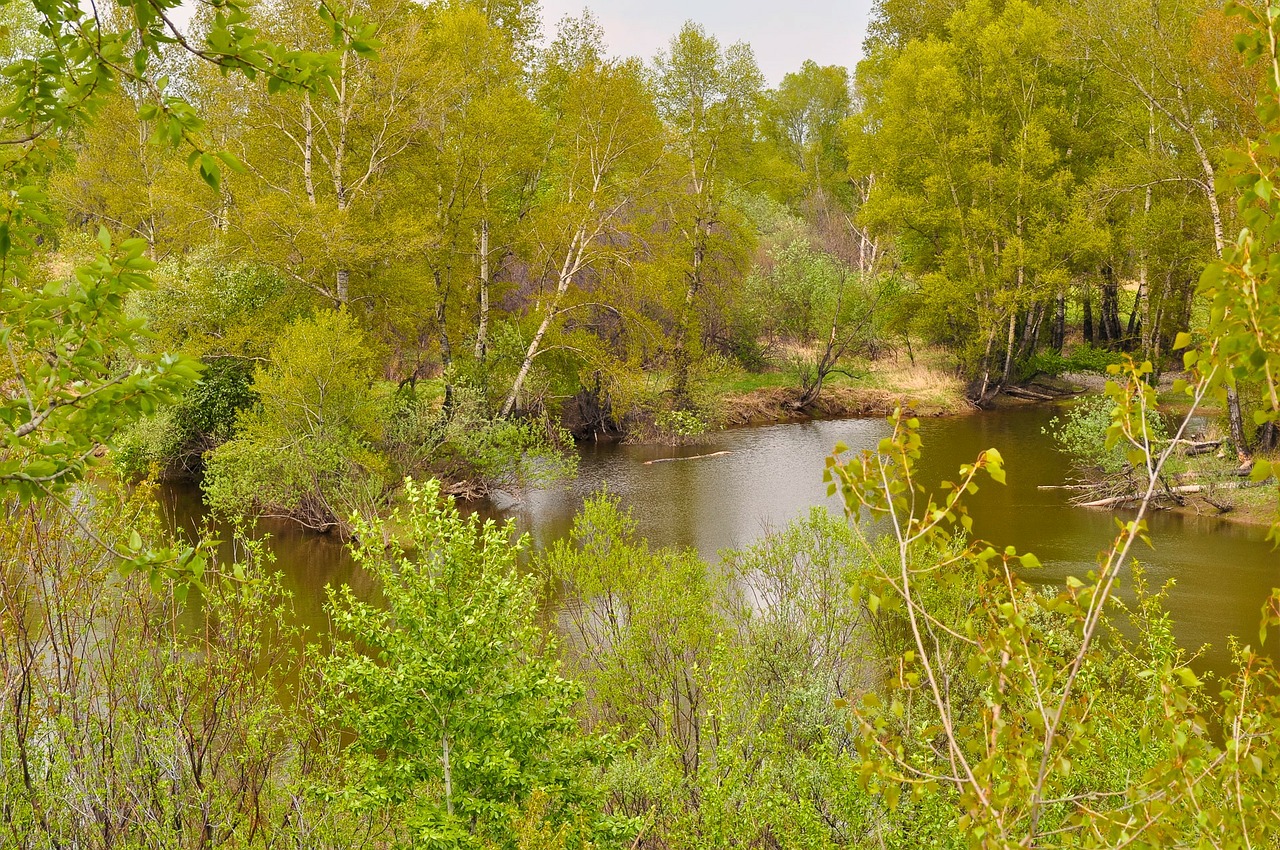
1204	476
862	387
1227	492
872	388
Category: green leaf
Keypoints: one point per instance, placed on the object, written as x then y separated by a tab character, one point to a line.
209	170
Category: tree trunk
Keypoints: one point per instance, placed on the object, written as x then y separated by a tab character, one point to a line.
536	343
1268	435
1236	418
442	329
572	263
1088	316
986	367
1030	336
1008	349
1109	320
448	772
1135	324
482	326
308	143
343	282
1059	336
680	384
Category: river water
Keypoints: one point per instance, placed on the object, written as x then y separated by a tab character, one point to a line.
770	475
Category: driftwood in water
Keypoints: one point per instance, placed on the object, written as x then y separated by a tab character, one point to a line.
691	457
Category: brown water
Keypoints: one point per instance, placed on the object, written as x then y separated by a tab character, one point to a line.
1222	571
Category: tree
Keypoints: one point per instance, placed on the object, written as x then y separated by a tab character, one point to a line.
602	161
707	96
1156	58
462	190
817	302
804	117
75	371
317	158
964	138
456	706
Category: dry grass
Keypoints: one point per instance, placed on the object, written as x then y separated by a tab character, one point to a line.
871	388
933	388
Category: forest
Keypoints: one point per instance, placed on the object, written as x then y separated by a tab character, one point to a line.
356	268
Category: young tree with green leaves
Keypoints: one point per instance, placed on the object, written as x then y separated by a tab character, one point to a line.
459	716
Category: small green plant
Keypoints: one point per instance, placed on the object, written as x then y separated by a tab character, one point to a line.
1082	358
1089	358
681	424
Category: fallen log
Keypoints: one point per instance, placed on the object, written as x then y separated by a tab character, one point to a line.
1197	447
690	457
1022	392
1181	490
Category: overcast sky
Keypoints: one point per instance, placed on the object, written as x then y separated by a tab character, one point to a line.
783	33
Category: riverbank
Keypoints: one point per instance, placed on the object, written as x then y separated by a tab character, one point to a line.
1212	484
1204	477
867	388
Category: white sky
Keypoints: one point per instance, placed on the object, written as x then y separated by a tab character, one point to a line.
783	33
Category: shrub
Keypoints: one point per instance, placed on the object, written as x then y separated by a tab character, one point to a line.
1081	433
1089	358
172	441
309	449
458	714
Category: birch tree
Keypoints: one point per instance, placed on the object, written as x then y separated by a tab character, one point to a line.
1157	52
708	99
601	164
318	159
463	188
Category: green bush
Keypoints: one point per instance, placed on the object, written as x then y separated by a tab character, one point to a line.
459	718
1081	434
171	442
681	423
309	449
1083	358
472	451
1089	358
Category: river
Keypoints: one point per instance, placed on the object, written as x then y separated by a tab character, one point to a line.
1222	571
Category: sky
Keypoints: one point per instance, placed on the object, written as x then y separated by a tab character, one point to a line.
783	34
